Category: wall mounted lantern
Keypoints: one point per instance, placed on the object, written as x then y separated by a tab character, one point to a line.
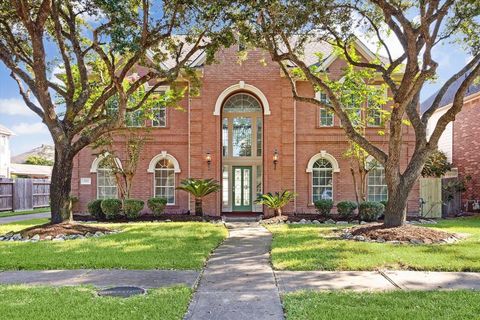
275	159
208	158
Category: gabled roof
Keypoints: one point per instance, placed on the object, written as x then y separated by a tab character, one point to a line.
449	95
5	131
30	170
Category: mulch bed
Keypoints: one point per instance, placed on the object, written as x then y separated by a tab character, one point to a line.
64	228
405	233
150	218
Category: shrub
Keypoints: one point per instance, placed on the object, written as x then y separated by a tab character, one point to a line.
384	202
132	208
346	208
157	205
370	210
276	201
95	209
324	207
111	208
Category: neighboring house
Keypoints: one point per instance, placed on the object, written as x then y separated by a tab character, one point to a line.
30	171
243	119
461	139
44	151
5	135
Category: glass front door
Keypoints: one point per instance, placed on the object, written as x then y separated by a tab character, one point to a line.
242	188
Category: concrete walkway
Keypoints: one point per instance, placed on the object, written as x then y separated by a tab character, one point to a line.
24	217
238	281
102	278
289	281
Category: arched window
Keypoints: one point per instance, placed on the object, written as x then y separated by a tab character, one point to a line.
377	186
106	182
165	180
322	180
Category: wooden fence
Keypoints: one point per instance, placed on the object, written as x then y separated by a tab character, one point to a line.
24	194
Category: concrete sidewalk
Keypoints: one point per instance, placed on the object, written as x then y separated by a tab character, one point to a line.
289	281
24	217
102	278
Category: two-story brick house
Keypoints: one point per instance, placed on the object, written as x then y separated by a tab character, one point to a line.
245	130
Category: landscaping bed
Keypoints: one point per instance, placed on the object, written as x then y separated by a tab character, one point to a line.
149	218
61	231
404	234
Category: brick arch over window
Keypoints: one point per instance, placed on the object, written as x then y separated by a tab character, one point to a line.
323	155
160	156
243	87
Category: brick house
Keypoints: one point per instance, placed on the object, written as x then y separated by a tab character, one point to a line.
243	118
460	141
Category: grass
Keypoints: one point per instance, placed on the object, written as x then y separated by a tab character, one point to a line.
308	247
411	305
45	303
21	213
170	245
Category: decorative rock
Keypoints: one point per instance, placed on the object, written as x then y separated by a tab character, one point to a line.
330	221
380	240
416	241
342	222
48	238
362	222
58	239
347	235
99	234
36	237
88	234
288	222
355	222
17	236
168	220
359	238
316	222
303	221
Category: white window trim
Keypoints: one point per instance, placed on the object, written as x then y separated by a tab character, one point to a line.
244	87
323	154
98	193
96	162
174	184
163	155
311	181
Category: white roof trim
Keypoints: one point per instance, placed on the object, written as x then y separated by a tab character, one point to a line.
241	86
323	155
98	159
161	156
359	45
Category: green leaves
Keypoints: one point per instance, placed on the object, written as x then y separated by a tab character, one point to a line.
277	200
199	188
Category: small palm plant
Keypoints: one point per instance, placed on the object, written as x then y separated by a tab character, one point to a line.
199	188
276	201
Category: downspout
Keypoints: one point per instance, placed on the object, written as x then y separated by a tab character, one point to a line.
294	153
189	119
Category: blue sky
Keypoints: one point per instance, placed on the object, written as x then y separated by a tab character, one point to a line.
30	132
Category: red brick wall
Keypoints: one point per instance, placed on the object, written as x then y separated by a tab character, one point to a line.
279	133
466	147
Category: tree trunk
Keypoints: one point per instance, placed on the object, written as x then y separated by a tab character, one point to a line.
278	212
198	207
395	211
60	186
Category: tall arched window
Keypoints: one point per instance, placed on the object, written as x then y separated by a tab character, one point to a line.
322	176
377	186
165	180
106	182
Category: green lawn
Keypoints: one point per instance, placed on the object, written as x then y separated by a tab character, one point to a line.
411	305
4	214
140	246
307	247
45	303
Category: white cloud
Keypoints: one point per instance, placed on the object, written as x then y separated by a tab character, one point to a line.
14	107
24	128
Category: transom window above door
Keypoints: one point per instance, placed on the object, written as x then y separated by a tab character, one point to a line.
242	125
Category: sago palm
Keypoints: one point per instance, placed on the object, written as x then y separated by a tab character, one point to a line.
199	188
276	201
